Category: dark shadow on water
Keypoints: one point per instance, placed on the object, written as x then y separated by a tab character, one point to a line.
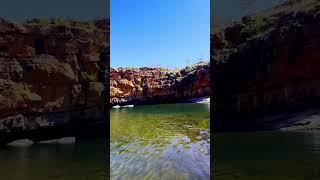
80	160
267	155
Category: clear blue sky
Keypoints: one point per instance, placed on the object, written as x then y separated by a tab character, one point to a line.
169	33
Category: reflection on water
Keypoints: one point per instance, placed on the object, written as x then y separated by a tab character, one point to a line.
81	160
267	155
160	142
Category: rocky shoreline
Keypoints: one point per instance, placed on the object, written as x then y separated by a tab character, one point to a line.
307	121
159	85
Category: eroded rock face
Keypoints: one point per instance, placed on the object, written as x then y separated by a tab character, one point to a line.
48	69
265	65
158	85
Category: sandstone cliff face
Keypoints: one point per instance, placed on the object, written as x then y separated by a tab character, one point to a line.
266	64
158	85
50	73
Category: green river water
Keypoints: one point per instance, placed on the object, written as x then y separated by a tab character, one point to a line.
160	142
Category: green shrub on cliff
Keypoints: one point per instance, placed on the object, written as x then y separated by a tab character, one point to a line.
44	21
263	21
258	25
86	25
85	76
47	21
60	22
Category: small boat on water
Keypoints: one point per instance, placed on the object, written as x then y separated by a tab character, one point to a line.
129	106
21	143
64	140
116	106
206	100
200	100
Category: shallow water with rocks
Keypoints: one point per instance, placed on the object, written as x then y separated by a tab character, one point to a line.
165	141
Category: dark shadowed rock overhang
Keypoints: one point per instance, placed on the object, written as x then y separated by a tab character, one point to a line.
265	65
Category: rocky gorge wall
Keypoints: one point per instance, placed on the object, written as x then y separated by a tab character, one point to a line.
268	63
52	74
158	85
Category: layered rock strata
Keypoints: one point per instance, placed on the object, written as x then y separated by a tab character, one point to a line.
158	85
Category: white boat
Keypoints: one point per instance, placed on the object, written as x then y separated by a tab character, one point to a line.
116	106
67	140
21	143
206	100
129	106
64	140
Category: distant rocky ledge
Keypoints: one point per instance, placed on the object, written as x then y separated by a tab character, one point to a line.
159	85
52	78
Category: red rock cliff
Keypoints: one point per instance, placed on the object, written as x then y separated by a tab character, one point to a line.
51	71
158	85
